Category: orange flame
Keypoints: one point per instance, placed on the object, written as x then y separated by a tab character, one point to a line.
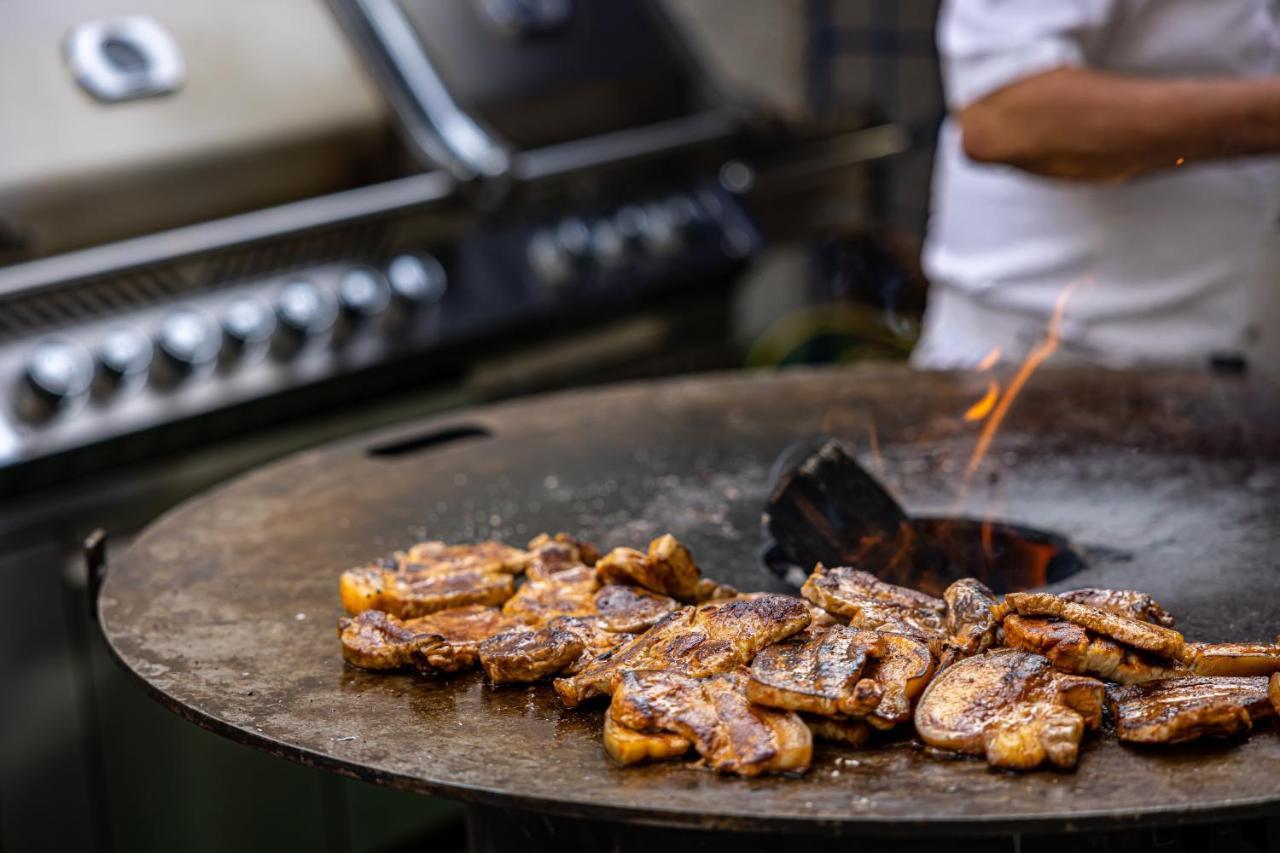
874	440
983	407
1034	359
990	360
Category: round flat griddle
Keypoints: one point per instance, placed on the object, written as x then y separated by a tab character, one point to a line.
225	608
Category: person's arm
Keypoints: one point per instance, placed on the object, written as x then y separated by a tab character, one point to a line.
1077	123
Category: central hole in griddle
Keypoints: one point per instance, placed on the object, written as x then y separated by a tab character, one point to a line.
825	508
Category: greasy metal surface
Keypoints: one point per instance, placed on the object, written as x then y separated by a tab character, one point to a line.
225	607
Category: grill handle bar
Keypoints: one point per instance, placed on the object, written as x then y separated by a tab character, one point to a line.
95	562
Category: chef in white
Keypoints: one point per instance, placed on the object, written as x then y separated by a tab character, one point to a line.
1126	145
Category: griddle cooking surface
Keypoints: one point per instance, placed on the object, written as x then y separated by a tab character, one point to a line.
225	608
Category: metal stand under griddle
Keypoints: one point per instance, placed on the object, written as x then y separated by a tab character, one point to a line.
224	608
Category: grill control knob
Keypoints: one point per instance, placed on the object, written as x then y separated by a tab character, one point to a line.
417	280
548	258
608	248
248	323
189	340
124	356
58	375
305	312
363	293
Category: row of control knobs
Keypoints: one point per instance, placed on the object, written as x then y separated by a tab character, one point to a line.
558	253
188	339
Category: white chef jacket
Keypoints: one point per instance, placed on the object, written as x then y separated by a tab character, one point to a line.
1170	263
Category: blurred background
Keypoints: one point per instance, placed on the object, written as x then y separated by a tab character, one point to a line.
229	231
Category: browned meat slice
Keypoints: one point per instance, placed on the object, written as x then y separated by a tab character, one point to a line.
709	590
730	733
901	672
597	640
441	642
1274	691
631	609
377	640
971	621
409	593
1071	648
570	592
818	670
551	555
848	732
1012	707
628	746
696	641
667	569
1233	658
1139	635
523	654
1127	602
487	556
462	630
870	603
1183	709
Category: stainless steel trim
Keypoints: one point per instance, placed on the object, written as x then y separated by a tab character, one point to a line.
271	222
464	138
162	71
623	145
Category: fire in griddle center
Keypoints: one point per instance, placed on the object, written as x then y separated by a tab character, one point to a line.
827	509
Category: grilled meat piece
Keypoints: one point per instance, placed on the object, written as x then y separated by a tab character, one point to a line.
1011	706
631	609
901	672
1156	639
522	654
628	746
1127	602
870	603
445	641
432	576
1273	690
1182	709
597	640
377	640
714	713
411	592
818	670
561	646
667	569
569	592
970	621
696	641
1233	658
489	556
848	732
550	556
709	590
1071	648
